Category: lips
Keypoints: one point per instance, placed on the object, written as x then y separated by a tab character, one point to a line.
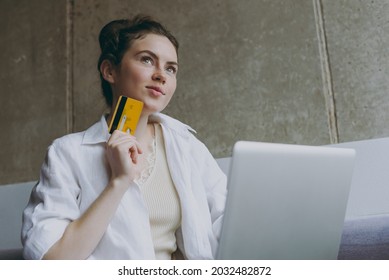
157	91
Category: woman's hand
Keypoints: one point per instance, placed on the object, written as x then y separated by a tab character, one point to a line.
123	151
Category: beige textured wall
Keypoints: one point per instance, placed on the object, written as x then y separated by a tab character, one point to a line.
358	44
32	84
308	71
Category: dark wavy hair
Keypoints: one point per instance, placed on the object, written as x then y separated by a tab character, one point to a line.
116	38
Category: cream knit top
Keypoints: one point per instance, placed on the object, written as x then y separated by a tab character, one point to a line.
161	198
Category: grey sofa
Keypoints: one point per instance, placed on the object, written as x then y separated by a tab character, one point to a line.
13	199
366	227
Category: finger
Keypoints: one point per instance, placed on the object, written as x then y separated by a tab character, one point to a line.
118	135
130	145
121	137
134	154
120	140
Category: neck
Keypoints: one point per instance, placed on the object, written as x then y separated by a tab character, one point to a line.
141	128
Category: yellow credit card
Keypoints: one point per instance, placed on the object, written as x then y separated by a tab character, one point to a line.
126	115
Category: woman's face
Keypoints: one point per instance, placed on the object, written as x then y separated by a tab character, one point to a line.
147	73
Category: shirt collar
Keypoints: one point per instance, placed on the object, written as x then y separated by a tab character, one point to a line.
171	123
97	133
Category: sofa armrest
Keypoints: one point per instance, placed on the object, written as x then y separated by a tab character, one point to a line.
13	200
365	238
11	254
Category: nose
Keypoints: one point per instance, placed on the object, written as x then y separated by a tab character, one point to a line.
159	76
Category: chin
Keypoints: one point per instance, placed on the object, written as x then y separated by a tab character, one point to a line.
153	107
152	110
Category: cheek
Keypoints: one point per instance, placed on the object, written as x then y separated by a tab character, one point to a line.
172	86
132	85
137	77
135	73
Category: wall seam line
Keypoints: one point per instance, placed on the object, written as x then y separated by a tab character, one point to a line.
69	67
326	72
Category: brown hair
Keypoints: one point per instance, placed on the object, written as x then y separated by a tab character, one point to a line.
116	38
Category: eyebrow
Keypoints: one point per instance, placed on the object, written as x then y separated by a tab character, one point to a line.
155	56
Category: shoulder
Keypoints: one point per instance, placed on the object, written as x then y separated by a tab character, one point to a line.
63	152
74	143
67	142
97	133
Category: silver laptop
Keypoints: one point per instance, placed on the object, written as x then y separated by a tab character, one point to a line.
285	201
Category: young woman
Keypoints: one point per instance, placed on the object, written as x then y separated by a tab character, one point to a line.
157	194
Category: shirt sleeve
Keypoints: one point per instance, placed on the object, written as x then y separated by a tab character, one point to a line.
53	203
216	186
216	195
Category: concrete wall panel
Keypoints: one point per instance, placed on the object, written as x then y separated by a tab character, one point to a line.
358	40
33	84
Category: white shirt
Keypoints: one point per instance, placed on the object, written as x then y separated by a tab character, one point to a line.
76	171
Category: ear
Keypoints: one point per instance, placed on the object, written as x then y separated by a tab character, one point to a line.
107	70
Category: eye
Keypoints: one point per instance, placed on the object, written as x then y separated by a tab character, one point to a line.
171	69
147	60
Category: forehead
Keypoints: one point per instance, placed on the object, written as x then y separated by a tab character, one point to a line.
157	44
